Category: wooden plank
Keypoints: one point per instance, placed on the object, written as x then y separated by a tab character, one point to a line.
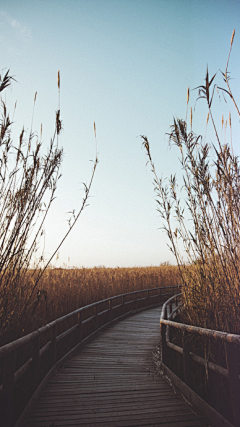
234	384
113	382
6	411
96	417
215	418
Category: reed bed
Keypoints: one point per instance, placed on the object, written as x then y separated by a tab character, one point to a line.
204	218
29	175
64	290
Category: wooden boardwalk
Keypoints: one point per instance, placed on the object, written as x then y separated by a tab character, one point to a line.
113	382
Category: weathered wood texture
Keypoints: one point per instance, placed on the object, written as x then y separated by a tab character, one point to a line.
213	388
112	381
27	363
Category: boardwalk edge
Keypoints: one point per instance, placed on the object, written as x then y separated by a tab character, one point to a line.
215	418
32	402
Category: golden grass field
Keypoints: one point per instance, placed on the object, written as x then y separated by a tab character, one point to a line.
63	290
68	289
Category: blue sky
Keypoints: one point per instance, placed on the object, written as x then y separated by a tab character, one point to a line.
125	65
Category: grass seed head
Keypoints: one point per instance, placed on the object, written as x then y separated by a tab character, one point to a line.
233	34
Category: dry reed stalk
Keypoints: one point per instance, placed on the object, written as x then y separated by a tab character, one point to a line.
63	290
210	265
28	184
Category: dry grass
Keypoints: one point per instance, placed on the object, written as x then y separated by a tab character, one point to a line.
64	290
29	175
205	218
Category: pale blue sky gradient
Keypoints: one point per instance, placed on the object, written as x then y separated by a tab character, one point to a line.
125	65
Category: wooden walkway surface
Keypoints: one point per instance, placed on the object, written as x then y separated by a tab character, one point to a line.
112	382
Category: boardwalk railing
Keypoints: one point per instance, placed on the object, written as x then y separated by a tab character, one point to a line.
29	362
188	359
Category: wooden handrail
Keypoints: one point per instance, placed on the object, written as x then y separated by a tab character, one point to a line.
231	345
49	343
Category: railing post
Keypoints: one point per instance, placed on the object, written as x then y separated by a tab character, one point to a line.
170	308
8	386
96	315
79	326
187	361
36	361
123	301
136	301
110	309
176	301
148	297
160	295
163	343
232	366
53	344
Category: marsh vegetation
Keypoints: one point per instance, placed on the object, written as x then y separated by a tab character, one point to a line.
62	290
29	175
204	218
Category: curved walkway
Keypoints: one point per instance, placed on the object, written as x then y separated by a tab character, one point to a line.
112	382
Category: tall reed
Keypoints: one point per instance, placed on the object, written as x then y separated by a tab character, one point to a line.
209	265
63	290
28	184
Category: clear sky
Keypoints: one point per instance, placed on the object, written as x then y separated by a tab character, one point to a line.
125	64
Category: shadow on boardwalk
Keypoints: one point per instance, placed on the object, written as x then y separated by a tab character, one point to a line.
112	381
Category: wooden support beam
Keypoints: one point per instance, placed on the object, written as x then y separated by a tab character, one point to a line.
232	365
79	326
163	342
36	362
53	344
96	315
8	388
110	310
187	360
